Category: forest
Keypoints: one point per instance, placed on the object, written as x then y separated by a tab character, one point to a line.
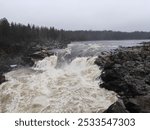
12	34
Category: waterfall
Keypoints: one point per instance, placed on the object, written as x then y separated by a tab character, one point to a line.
73	87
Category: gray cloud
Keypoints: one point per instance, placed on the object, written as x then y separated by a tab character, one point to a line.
122	15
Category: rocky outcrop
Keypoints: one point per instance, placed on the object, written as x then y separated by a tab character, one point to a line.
2	79
26	53
127	72
41	54
117	107
36	53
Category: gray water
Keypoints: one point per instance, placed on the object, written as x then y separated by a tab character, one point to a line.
70	87
94	48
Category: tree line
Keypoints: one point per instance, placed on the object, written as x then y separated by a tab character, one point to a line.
105	35
23	35
15	33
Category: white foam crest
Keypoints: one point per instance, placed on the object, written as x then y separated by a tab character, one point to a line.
46	63
73	88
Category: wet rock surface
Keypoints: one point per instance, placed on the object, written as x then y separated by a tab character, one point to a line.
117	107
36	53
16	56
2	79
21	57
127	72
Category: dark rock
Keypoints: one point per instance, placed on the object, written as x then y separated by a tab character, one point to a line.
36	53
138	104
40	54
133	106
99	61
117	107
108	65
147	79
127	72
28	61
4	68
2	79
148	58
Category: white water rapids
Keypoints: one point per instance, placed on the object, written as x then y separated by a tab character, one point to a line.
73	87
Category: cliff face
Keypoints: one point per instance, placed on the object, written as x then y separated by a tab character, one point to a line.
127	72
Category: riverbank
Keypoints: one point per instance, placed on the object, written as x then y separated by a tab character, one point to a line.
127	72
16	56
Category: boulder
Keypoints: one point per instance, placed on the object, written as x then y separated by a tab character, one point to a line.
2	79
41	54
127	72
37	55
117	107
138	104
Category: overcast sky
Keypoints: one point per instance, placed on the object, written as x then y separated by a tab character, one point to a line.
117	15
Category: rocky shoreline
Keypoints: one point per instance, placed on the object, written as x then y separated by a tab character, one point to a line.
127	72
15	56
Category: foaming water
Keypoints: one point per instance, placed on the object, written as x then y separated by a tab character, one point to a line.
73	87
94	48
68	82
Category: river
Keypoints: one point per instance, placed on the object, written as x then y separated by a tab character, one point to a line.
65	82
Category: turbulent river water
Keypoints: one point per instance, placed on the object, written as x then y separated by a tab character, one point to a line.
65	82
